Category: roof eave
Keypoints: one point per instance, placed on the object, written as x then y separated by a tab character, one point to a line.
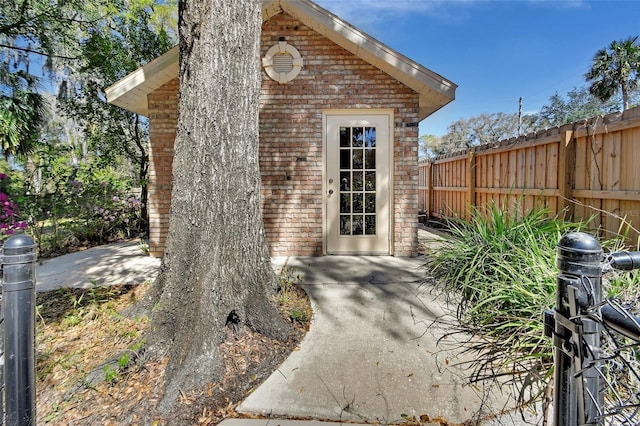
131	92
427	107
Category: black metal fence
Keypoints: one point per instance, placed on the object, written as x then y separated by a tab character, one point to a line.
596	339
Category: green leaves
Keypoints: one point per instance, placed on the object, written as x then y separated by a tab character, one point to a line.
615	69
21	115
499	256
22	112
578	104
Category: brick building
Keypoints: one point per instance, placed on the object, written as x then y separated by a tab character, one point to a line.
339	114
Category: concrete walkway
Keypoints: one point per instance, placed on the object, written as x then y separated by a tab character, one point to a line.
375	352
118	263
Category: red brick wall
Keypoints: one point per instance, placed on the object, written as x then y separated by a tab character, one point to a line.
291	142
163	121
291	138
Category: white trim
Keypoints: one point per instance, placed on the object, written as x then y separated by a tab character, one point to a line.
131	92
324	182
282	47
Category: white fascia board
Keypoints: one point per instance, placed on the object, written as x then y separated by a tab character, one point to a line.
131	91
270	8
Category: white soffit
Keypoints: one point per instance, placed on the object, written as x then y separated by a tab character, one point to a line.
434	90
131	92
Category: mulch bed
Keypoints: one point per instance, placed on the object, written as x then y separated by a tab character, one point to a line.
84	339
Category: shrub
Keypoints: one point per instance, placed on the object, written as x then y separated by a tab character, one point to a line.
9	212
105	205
82	204
500	269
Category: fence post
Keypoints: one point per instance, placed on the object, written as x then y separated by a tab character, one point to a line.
566	171
577	393
429	198
18	304
471	179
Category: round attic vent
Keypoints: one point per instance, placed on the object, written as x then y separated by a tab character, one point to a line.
282	62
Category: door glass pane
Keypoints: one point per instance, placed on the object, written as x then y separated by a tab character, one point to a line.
345	159
370	158
370	136
370	203
357	136
344	136
345	225
358	181
345	181
345	203
370	224
357	203
358	225
358	162
370	181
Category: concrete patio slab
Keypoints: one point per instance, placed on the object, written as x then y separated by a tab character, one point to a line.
377	350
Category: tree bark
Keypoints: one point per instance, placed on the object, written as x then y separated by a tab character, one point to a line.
216	275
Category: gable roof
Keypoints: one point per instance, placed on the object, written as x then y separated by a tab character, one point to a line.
434	90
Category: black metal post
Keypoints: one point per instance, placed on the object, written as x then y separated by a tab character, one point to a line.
577	393
18	304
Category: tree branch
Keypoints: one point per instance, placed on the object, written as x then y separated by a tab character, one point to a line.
37	52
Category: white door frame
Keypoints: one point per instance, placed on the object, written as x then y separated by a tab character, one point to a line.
359	114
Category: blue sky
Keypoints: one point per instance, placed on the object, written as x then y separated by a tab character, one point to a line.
495	51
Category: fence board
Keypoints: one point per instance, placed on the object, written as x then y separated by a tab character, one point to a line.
491	170
540	167
512	171
583	170
552	176
612	173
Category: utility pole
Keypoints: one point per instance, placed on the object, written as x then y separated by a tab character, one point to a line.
519	116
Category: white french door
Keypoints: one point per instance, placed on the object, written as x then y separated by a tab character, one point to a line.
358	193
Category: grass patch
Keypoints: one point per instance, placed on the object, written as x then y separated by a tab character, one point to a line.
77	330
292	300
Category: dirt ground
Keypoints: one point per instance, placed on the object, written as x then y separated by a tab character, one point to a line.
91	368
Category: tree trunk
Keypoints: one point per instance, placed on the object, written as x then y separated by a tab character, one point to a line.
216	275
625	95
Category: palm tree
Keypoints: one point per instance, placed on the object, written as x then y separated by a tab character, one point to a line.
615	69
22	113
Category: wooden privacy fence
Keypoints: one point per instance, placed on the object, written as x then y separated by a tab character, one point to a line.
588	169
